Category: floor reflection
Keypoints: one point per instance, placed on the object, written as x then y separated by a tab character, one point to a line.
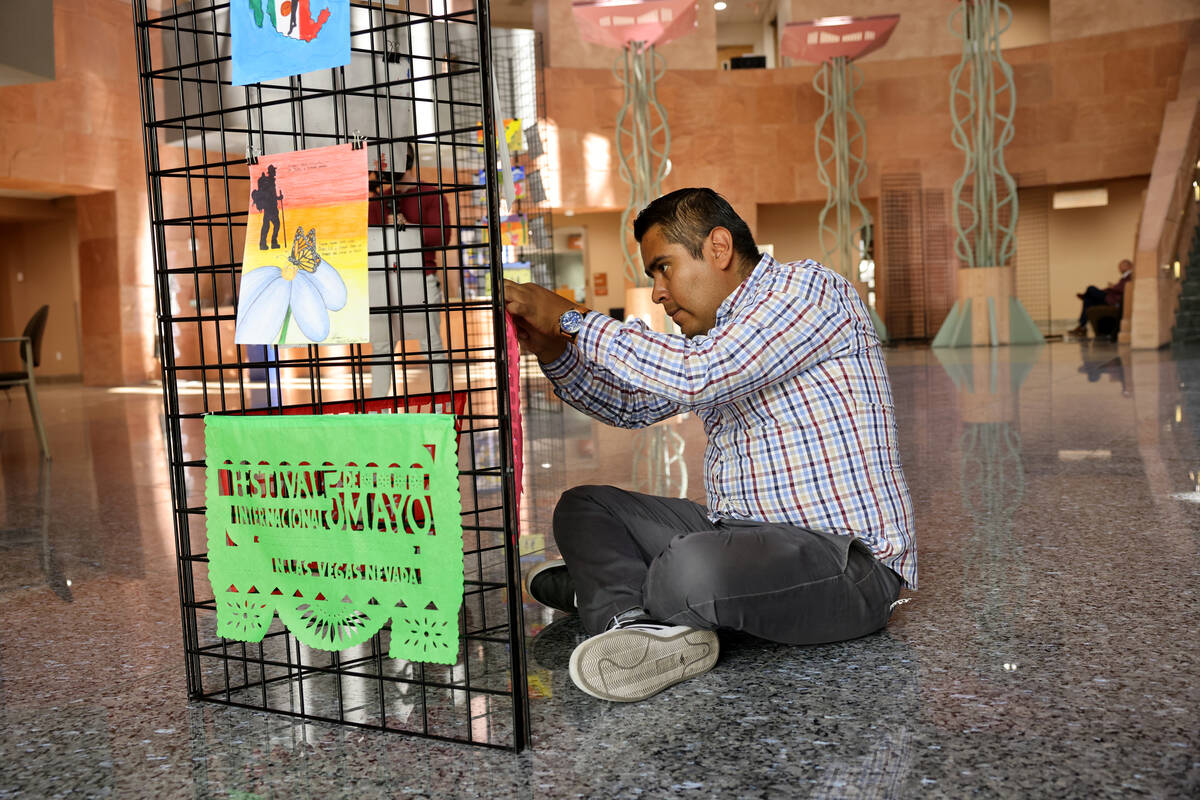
25	542
1049	651
992	482
659	467
1099	361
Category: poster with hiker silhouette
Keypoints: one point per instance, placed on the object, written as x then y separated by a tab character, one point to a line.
304	269
275	39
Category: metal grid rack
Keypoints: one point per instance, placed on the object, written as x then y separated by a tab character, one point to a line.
516	61
402	87
517	58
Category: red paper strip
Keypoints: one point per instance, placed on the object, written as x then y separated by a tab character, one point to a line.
514	404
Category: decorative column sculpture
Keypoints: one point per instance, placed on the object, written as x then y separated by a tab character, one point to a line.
643	137
643	143
983	101
841	141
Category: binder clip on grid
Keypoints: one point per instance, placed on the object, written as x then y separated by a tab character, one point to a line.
251	157
393	52
358	141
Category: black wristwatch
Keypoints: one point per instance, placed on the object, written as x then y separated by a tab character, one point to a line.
570	322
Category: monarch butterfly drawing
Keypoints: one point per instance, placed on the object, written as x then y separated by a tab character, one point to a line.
305	291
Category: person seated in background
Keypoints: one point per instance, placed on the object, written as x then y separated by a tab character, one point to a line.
1112	295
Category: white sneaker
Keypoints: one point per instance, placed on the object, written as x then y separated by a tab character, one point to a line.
638	660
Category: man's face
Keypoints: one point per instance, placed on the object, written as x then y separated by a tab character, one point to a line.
1124	266
689	289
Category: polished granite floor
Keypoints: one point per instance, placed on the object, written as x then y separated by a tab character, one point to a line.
1051	651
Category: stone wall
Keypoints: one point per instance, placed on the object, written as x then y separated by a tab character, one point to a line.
81	135
1088	110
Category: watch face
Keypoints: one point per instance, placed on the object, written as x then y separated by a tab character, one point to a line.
570	322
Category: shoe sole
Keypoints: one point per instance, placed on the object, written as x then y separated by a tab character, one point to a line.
630	665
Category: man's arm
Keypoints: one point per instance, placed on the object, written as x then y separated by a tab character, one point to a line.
592	389
776	336
603	395
1118	286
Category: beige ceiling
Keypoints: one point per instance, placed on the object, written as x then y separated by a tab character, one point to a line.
745	10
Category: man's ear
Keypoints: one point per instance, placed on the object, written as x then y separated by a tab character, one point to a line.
722	247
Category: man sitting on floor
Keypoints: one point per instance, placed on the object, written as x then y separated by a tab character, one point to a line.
807	535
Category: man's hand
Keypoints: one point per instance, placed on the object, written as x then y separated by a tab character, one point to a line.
536	312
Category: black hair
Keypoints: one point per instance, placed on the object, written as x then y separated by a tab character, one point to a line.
688	216
412	157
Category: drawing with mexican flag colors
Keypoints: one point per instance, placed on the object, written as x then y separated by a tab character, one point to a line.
304	270
277	38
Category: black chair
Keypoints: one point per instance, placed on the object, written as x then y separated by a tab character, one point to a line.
1105	321
30	342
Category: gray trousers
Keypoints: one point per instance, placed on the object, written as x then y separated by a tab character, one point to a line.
779	582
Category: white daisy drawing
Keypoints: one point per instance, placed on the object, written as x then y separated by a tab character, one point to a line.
305	290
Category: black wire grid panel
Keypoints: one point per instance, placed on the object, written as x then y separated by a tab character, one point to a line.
416	77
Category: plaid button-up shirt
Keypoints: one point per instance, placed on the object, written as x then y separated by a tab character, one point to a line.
792	390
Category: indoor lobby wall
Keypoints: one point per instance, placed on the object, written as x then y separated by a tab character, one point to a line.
39	265
80	134
601	257
1070	19
1089	110
791	228
1087	243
